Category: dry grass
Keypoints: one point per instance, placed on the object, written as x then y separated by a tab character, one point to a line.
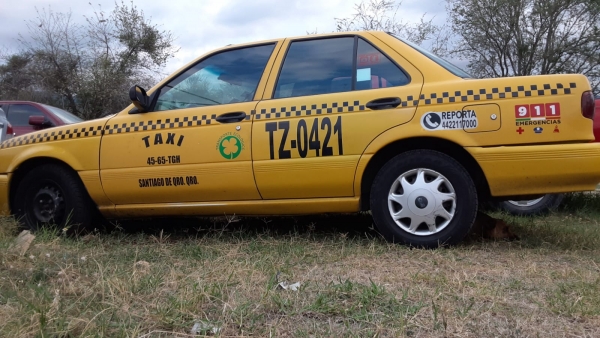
222	277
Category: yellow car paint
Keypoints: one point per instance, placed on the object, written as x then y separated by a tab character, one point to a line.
183	161
179	157
4	205
256	208
532	169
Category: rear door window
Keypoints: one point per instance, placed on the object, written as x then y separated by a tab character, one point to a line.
374	69
314	67
325	66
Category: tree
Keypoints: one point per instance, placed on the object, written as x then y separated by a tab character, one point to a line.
381	15
528	37
56	47
15	79
88	67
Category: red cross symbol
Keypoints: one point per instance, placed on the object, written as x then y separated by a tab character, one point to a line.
520	130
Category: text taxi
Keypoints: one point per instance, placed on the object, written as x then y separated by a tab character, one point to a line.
324	123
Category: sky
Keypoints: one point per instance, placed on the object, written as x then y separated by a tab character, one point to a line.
200	26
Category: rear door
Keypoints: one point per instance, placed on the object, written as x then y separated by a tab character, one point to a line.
331	97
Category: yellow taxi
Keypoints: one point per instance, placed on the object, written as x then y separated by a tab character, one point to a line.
331	123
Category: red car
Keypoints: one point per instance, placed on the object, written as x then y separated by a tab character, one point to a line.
547	202
26	117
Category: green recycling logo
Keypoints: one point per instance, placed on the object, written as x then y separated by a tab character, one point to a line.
230	147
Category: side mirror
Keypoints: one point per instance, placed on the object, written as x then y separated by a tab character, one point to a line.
40	121
139	98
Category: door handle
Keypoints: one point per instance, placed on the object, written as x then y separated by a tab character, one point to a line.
384	103
231	117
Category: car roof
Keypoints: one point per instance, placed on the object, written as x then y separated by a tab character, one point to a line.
320	35
18	102
254	43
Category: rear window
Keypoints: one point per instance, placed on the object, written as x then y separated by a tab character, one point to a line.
444	63
63	115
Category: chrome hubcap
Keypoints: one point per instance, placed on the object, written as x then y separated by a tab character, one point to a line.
422	202
526	203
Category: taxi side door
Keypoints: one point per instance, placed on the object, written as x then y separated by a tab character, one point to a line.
331	97
194	144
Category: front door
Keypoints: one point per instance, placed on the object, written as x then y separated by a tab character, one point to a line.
195	144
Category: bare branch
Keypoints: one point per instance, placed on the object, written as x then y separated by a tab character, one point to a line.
87	68
527	37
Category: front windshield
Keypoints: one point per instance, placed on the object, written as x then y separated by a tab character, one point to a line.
63	115
447	65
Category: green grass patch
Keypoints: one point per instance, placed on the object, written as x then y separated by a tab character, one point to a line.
581	203
220	277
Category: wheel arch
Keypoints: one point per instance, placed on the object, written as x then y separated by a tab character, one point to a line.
25	167
383	155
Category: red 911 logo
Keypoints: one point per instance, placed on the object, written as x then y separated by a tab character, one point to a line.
537	110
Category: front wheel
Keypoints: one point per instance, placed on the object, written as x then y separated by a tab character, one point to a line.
423	198
52	195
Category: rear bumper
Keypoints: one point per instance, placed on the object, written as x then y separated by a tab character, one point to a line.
4	208
541	169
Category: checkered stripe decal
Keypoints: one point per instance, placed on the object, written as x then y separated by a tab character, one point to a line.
495	93
303	110
308	110
113	129
160	124
470	95
52	136
188	121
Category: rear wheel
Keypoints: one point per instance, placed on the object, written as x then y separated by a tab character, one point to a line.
423	198
534	207
52	195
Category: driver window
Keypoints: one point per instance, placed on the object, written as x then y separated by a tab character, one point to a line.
228	77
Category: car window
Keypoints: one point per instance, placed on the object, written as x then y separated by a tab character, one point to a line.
375	70
316	67
63	115
444	63
18	114
228	77
325	66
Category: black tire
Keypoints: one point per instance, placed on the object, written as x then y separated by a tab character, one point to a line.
536	207
53	195
450	231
